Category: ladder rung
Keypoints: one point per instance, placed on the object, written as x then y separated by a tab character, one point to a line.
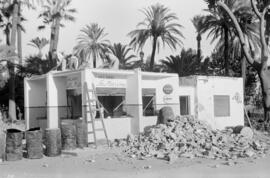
96	130
89	111
96	109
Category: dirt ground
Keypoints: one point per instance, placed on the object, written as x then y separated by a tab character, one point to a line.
111	162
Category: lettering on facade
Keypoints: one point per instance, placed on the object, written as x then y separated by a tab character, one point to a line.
73	82
111	83
237	98
167	99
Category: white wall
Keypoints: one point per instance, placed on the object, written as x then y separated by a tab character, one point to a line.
172	99
56	97
116	128
61	96
35	102
134	101
207	87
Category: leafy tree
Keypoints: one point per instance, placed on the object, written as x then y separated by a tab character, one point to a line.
92	42
218	26
15	6
159	25
260	65
39	43
54	12
121	52
184	64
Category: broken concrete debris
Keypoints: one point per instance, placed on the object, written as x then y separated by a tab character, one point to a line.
188	137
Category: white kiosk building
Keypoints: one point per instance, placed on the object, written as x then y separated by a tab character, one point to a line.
132	98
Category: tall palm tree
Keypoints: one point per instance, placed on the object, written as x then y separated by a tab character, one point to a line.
219	27
5	22
250	29
197	22
39	43
160	26
92	42
13	5
184	64
121	52
54	12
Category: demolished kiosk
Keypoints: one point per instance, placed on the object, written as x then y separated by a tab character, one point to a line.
131	98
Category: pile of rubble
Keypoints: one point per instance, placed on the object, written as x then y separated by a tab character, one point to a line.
189	137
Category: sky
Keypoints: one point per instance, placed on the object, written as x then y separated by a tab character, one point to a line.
118	17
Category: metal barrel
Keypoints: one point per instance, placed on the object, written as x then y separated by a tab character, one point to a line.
34	143
14	145
53	142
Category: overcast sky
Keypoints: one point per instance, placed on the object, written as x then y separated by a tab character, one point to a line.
118	17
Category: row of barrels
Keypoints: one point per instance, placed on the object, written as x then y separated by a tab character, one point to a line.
70	136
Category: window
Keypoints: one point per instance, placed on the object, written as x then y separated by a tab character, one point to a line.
221	105
113	105
148	105
148	101
74	103
184	105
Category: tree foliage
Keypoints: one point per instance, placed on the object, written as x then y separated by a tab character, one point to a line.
159	25
122	53
92	43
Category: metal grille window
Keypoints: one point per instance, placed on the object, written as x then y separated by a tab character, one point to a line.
149	101
148	105
184	105
113	105
221	105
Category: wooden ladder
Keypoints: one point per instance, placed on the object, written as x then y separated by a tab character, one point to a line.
93	105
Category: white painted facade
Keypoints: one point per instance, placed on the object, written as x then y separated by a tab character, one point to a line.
46	100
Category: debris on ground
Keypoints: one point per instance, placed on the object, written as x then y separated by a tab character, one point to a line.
45	165
147	167
91	160
190	138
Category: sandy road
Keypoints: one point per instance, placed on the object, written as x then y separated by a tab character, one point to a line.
103	162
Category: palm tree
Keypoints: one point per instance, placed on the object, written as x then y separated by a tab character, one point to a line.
159	25
92	42
244	14
184	64
54	11
218	25
13	5
39	43
197	22
121	52
5	22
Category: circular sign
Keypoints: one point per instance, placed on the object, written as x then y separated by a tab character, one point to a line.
167	89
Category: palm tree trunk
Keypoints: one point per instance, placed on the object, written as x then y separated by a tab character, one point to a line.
11	83
153	53
52	37
56	37
226	51
94	60
7	33
199	38
19	33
